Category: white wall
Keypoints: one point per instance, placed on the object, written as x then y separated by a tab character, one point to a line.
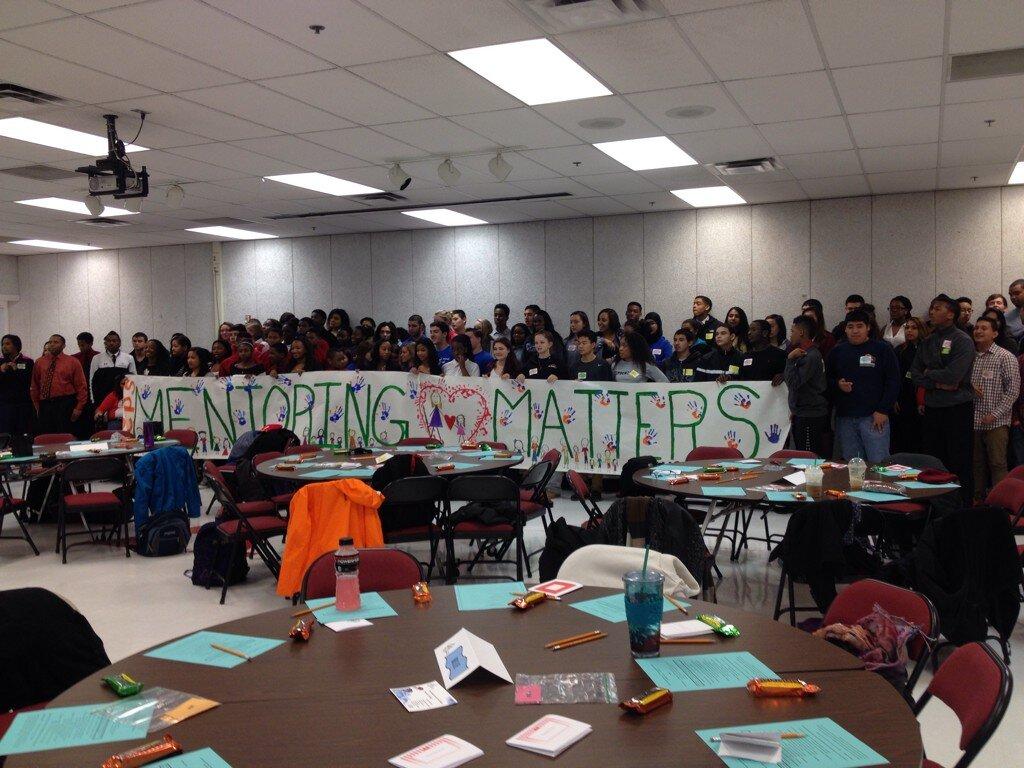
766	258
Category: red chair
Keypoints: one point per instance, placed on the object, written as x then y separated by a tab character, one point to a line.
298	450
582	491
1017	473
421	441
381	569
281	500
533	497
859	599
186	437
54	438
791	453
493	539
104	507
976	685
713	453
1008	494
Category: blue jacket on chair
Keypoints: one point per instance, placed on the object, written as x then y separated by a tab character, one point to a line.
165	480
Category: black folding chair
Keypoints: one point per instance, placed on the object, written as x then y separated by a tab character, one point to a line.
414	510
103	507
16	508
494	538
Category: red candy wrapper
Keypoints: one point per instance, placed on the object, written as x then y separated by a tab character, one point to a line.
302	629
421	592
145	754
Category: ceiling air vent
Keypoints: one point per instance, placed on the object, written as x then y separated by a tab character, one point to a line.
570	15
21	93
747	167
40	172
974	66
103	223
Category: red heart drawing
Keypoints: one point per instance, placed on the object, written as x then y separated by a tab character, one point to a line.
439	403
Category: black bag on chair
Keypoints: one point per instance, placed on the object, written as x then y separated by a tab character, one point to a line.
164	534
212	556
562	540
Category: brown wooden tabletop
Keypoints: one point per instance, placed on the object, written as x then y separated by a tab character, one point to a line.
99	448
327	703
431	459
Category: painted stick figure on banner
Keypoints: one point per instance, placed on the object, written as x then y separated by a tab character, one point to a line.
434	425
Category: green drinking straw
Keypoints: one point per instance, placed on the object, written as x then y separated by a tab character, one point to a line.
647	552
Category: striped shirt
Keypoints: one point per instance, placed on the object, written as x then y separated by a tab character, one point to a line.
996	376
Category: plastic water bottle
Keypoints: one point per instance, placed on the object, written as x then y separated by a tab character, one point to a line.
346	574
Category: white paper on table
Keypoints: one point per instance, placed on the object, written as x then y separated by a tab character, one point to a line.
748	461
550	735
343	625
688	628
797	478
557	587
419	698
464	653
384	457
762	747
443	752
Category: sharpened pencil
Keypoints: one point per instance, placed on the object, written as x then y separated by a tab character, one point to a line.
564	640
677	604
232	651
581	641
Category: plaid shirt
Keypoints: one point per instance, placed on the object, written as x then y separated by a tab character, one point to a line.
996	375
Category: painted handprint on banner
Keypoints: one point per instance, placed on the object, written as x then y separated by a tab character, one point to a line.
146	392
358	384
240	417
310	399
505	418
538	412
385	411
198	387
282	413
569	415
412	389
774	434
284	380
659	401
610	445
604	399
742	400
229	386
335	416
178	406
695	409
650	437
732	439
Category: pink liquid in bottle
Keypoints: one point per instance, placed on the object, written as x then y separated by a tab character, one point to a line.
346	574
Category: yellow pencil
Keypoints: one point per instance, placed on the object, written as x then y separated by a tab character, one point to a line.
232	651
677	604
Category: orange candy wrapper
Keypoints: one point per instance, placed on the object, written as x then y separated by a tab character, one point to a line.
647	701
765	689
302	629
530	599
145	754
421	592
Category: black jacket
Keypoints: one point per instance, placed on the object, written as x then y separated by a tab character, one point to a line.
14	384
716	363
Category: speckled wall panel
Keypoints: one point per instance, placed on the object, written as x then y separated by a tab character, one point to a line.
618	264
239	275
168	291
670	265
568	269
521	266
840	254
476	271
967	244
9	275
903	248
781	257
274	279
72	284
200	323
311	274
1013	234
723	257
393	283
351	288
135	284
104	312
433	271
41	276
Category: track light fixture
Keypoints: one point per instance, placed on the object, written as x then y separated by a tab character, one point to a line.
175	196
94	204
499	167
448	173
398	177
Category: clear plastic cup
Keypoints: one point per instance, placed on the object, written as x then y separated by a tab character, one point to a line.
644	605
857	468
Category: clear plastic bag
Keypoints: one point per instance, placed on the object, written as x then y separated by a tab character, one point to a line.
567	688
155	708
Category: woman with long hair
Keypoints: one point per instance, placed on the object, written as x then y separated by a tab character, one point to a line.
199	361
899	314
220	351
633	363
383	357
303	360
425	358
906	414
520	336
158	359
578	321
338	321
506	364
823	338
180	345
736	319
609	333
779	338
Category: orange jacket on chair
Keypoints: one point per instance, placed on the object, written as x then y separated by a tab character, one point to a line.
319	515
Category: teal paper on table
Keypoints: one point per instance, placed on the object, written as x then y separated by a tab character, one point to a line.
704	672
784	496
371	606
670	469
338	474
613	607
875	497
723	490
201	758
825	744
803	462
483	597
923	486
475	454
898	472
196	648
744	464
62	727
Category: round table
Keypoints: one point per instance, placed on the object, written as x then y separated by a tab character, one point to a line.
48	453
326	702
431	459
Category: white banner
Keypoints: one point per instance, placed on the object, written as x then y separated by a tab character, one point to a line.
596	426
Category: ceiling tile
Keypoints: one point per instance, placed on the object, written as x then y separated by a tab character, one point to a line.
342	93
619	183
438	83
967	121
655	105
352	34
555	185
436	136
910	157
802	136
451	25
723	145
985	89
771	38
237	159
819	165
298	152
24	12
517	128
564	160
902	181
164	167
266	107
772	192
189	116
255	190
900	85
654	201
999	149
692	6
207	35
154	135
89	43
597	206
837	186
974	176
636	57
682	178
989	26
871	31
785	97
900	126
364	143
569	115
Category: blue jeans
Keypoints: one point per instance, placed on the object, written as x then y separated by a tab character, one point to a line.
857	437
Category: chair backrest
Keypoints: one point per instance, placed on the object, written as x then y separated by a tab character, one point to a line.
494	446
1007	494
103	434
54	438
380	569
713	453
916	460
483	488
553	455
791	453
537	476
579	485
220	486
188	438
859	599
976	684
95	468
409	490
417	441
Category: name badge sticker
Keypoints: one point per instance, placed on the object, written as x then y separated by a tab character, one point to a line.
748	361
634	374
533	371
687	371
734	369
709	336
867	361
581	375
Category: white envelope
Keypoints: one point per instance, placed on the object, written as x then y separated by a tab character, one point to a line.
464	653
689	628
797	478
762	747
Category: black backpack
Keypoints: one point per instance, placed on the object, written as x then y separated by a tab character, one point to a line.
211	557
165	534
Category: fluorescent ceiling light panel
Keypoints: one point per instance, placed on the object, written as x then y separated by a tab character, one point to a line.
708	197
72	206
232	232
321	182
645	154
52	245
1017	177
36	132
445	217
534	71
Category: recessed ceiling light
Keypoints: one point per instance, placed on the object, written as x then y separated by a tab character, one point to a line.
24	129
52	245
708	197
645	154
1017	177
232	232
534	71
72	206
688	113
445	217
321	182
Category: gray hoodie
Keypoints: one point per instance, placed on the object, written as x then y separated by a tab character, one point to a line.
805	379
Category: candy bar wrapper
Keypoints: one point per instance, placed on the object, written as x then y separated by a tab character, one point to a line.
718	624
765	689
302	629
123	685
647	701
444	467
527	601
145	754
421	592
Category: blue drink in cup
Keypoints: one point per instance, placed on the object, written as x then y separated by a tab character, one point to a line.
644	606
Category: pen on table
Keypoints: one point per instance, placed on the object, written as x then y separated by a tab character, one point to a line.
301	613
232	651
787	735
584	635
677	604
571	643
